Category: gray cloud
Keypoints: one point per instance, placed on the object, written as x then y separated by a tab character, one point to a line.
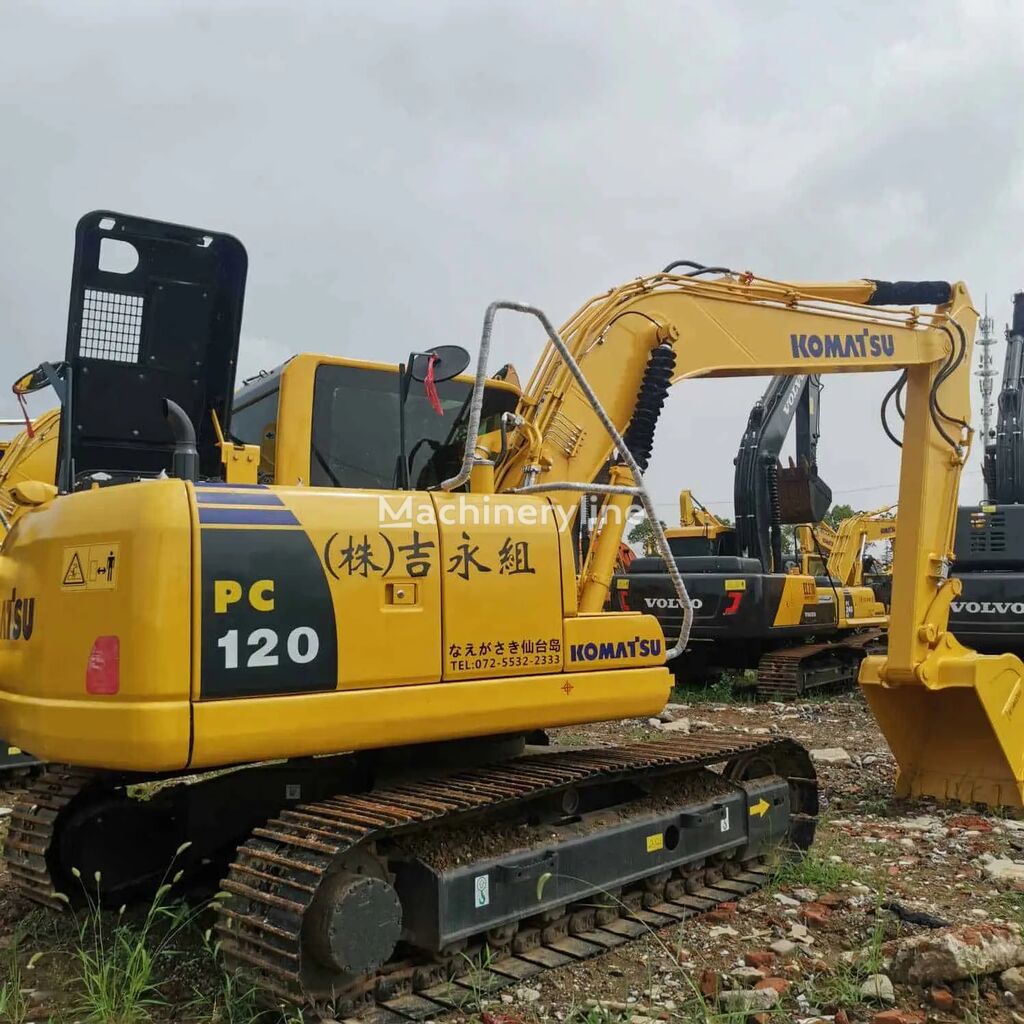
392	167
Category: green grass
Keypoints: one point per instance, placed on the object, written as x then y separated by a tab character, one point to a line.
728	688
813	870
13	1005
120	959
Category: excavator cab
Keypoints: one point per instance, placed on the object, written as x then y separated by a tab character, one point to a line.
149	371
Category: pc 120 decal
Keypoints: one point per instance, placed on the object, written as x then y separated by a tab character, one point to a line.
268	620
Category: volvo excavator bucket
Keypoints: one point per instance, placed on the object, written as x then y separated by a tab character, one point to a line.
958	736
803	496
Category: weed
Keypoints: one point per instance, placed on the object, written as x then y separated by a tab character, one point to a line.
13	1006
812	870
728	688
118	962
839	987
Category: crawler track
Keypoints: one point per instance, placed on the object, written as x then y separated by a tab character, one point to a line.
31	831
277	874
278	871
792	672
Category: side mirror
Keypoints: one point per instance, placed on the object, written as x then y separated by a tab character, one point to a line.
449	361
42	376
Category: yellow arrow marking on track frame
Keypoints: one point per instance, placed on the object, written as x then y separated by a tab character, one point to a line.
761	808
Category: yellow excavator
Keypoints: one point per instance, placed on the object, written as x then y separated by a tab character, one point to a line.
842	553
404	589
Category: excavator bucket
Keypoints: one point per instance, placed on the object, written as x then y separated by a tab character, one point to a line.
803	496
954	738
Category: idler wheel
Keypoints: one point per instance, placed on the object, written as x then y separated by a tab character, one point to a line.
354	923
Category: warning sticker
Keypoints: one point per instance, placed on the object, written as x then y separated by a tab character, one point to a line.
94	567
481	891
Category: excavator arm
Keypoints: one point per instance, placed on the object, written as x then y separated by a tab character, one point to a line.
630	343
1004	460
845	562
761	484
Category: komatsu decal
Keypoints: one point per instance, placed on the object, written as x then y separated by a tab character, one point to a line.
987	607
17	617
671	602
612	650
862	345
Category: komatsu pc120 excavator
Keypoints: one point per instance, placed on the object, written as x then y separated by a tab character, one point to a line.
424	617
800	632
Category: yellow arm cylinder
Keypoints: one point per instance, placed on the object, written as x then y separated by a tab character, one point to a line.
596	577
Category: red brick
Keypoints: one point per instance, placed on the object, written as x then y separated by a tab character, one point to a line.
899	1017
941	998
759	958
709	983
779	984
814	914
969	822
841	1017
831	900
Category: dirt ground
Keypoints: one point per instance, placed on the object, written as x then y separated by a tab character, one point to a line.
871	852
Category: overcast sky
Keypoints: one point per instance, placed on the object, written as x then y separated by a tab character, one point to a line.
393	167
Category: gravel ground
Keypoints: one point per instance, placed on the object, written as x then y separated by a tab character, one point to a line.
827	917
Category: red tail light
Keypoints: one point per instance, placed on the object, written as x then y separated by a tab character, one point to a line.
103	672
735	596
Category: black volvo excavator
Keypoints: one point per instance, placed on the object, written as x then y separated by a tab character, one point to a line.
752	608
988	615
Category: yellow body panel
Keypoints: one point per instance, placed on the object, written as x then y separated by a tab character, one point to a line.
798	592
245	730
44	705
259	622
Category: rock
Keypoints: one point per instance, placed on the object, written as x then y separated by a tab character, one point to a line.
841	1017
678	725
941	998
759	958
745	1000
1002	869
783	947
655	722
805	895
720	930
5	812
747	976
831	755
879	988
923	823
666	716
1012	980
527	995
899	1017
785	901
953	954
